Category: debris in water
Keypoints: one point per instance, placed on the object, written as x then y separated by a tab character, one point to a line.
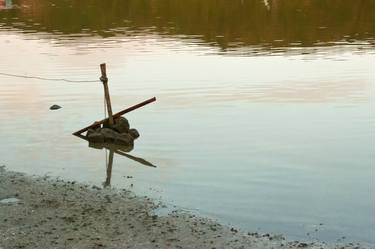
55	107
119	133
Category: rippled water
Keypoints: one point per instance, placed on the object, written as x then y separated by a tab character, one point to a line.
265	112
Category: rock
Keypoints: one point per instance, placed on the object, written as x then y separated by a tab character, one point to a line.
90	131
95	137
302	244
124	139
55	107
121	125
9	201
96	187
110	135
134	133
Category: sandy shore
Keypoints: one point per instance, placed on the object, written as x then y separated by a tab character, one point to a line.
50	213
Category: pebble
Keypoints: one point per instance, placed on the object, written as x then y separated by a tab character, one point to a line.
9	201
55	107
96	187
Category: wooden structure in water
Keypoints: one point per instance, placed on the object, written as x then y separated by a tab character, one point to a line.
111	116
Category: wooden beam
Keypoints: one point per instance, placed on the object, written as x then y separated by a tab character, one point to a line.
116	115
104	80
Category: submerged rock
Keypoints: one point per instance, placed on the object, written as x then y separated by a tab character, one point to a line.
55	107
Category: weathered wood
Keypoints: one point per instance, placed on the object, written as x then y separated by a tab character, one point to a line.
109	169
116	115
104	80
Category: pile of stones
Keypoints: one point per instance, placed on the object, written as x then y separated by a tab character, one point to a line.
119	133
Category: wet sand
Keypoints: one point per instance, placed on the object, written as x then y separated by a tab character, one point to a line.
53	213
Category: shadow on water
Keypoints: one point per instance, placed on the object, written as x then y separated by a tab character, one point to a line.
118	150
227	25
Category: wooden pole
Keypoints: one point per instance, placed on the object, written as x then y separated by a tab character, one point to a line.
109	169
116	115
104	79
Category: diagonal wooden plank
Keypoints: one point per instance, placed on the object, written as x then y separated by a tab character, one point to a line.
116	115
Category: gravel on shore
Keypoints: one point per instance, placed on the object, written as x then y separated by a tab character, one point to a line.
39	212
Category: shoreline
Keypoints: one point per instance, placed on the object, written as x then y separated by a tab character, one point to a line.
53	213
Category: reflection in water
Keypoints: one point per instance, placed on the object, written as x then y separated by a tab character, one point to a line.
109	165
119	150
267	4
6	4
259	24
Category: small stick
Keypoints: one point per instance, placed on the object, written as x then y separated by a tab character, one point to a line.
116	115
104	79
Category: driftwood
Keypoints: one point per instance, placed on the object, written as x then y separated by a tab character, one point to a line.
116	115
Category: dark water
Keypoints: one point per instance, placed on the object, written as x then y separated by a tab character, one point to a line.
265	117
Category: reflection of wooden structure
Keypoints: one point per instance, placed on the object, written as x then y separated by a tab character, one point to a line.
109	169
116	115
119	150
109	164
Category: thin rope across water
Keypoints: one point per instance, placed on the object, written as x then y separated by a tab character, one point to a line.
48	79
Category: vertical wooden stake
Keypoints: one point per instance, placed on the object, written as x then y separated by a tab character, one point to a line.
104	79
109	169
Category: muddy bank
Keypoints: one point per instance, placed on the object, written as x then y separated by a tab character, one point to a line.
50	213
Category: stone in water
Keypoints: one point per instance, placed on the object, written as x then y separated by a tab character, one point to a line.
55	107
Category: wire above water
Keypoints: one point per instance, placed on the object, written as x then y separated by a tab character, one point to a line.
48	79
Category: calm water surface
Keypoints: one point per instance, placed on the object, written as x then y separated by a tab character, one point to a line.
265	117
